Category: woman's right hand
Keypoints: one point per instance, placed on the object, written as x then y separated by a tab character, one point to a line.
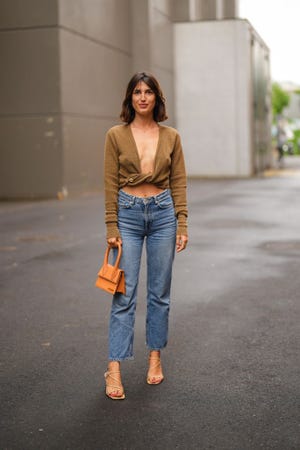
112	242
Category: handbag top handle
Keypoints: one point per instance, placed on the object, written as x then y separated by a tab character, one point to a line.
116	266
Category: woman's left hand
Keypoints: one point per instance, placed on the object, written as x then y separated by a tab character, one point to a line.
181	242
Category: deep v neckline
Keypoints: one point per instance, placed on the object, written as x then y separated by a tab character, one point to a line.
137	151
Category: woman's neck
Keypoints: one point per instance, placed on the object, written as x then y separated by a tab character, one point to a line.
143	123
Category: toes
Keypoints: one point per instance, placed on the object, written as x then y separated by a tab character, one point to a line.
115	394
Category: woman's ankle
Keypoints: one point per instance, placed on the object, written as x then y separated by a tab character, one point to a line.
154	353
114	366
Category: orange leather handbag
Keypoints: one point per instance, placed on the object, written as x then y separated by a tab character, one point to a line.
111	278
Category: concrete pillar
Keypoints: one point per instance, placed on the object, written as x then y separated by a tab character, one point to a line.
195	10
208	9
230	9
181	10
218	9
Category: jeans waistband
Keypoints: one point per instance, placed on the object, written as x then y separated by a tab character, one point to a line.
155	198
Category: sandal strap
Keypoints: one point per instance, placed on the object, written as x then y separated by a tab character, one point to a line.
117	388
118	385
109	374
156	363
154	366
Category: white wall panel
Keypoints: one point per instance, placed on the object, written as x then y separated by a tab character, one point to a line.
212	101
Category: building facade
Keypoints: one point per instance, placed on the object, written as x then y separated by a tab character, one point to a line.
66	65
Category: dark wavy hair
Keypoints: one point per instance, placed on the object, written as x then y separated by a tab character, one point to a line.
159	113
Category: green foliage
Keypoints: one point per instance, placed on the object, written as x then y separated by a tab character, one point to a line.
280	99
296	141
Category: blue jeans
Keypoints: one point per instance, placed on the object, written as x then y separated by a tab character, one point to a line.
152	218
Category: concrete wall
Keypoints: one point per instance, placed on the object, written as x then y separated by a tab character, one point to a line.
229	9
67	64
293	110
213	101
195	10
181	10
95	64
262	109
30	126
152	44
162	50
101	46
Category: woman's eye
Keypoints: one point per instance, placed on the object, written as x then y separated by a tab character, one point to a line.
138	92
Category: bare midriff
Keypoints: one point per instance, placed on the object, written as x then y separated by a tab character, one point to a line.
143	190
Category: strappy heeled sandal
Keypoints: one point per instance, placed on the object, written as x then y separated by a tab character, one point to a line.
112	393
154	379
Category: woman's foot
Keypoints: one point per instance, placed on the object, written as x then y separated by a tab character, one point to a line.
114	388
155	375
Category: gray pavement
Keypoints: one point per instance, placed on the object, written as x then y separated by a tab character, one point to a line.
232	364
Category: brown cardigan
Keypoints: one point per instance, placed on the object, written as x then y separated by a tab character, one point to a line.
122	167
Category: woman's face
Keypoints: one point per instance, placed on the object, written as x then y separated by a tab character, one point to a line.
143	99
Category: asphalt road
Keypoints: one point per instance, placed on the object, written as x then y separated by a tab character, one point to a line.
232	365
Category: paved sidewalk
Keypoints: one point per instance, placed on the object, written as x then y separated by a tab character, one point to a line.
289	167
232	364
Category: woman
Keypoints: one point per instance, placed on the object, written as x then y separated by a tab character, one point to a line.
145	199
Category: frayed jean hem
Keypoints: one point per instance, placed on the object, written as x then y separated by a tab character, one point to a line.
127	358
156	349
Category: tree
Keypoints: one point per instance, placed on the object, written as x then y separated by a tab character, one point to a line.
280	99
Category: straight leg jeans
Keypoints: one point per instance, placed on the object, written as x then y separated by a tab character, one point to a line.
151	219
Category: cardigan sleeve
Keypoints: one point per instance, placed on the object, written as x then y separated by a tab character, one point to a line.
178	185
111	185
